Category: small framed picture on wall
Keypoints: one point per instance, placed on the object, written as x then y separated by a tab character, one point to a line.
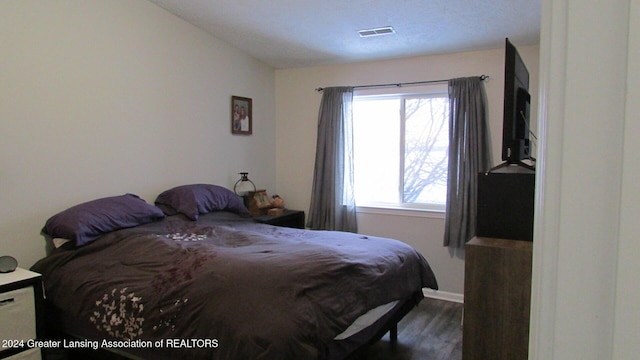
241	115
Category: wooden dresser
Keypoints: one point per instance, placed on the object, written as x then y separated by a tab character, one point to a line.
497	292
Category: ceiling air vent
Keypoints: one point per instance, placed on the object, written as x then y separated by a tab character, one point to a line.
377	31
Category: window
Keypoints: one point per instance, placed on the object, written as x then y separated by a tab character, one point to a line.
401	149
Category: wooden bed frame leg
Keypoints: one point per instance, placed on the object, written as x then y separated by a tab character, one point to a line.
393	334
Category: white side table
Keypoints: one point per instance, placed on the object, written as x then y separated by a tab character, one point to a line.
21	314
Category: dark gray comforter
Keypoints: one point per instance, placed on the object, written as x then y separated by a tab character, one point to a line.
237	289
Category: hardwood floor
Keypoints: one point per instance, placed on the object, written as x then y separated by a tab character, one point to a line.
431	331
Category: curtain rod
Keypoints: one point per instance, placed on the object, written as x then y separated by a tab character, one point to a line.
482	77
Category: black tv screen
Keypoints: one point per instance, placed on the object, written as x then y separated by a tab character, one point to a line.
515	128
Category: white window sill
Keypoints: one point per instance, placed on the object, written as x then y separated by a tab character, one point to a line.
401	211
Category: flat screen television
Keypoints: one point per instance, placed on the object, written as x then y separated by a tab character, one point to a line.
515	129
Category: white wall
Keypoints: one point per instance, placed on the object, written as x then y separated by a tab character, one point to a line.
584	298
296	116
627	311
104	97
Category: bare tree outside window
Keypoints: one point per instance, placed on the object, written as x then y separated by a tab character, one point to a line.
425	156
400	150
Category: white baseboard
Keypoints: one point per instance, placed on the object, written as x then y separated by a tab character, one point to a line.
443	295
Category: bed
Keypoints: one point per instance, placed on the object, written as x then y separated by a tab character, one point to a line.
196	277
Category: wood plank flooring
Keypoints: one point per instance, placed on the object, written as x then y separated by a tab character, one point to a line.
431	331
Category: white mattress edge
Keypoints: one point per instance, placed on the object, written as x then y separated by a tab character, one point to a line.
366	320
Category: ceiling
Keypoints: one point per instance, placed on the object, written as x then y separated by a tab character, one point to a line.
300	33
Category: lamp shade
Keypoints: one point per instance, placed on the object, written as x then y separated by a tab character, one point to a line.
244	185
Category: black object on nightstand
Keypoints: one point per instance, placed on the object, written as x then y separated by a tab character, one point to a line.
289	218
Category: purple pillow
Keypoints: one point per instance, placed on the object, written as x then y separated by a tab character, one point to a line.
86	222
193	200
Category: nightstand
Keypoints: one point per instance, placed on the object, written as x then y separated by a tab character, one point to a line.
289	218
21	311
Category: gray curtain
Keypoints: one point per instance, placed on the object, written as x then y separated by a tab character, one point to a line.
332	200
469	154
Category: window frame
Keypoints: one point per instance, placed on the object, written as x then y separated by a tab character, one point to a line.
401	208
